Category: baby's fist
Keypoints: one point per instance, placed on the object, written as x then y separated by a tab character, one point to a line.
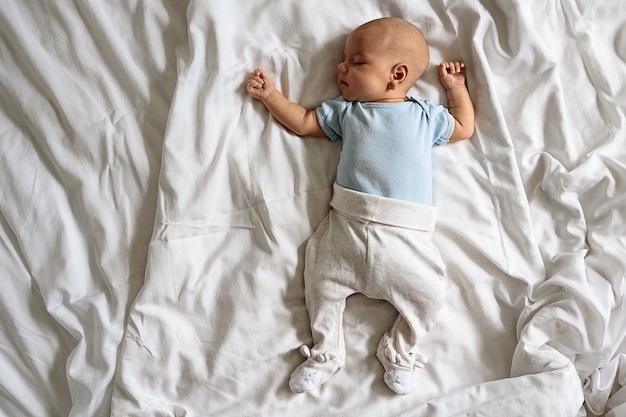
452	74
260	85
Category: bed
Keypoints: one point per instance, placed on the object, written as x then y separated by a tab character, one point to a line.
154	216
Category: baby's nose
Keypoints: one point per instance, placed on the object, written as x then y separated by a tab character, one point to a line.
342	67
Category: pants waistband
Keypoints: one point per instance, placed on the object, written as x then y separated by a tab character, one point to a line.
384	210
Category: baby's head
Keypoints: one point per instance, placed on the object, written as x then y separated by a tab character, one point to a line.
383	59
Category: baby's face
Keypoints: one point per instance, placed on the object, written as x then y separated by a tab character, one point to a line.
364	74
382	60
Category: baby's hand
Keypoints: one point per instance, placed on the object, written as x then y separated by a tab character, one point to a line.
452	74
260	85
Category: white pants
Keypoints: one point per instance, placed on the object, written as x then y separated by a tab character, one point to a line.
382	248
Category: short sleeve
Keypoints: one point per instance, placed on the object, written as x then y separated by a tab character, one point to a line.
441	121
330	117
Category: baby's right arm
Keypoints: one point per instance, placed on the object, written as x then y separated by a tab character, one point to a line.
293	116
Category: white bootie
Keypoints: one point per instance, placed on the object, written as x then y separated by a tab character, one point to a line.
400	379
314	371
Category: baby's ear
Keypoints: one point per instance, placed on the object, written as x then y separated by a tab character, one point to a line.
399	74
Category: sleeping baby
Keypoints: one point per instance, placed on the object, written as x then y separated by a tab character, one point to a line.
376	239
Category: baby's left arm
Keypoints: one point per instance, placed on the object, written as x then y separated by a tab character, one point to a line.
452	76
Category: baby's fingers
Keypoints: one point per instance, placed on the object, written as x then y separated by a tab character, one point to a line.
252	84
259	84
258	81
254	88
260	73
451	67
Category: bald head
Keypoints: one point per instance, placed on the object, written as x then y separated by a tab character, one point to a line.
399	41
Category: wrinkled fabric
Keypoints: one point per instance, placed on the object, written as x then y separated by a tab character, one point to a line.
153	216
85	90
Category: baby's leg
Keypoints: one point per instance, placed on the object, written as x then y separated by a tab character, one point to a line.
325	304
329	278
412	278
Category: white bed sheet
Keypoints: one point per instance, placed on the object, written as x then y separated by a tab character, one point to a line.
129	149
85	90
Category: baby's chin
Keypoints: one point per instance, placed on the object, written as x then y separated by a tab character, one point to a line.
348	96
345	93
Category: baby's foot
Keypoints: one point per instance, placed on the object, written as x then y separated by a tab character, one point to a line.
400	381
314	371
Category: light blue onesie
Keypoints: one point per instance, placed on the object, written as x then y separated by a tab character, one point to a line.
386	147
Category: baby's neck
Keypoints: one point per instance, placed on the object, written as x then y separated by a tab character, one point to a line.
389	100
